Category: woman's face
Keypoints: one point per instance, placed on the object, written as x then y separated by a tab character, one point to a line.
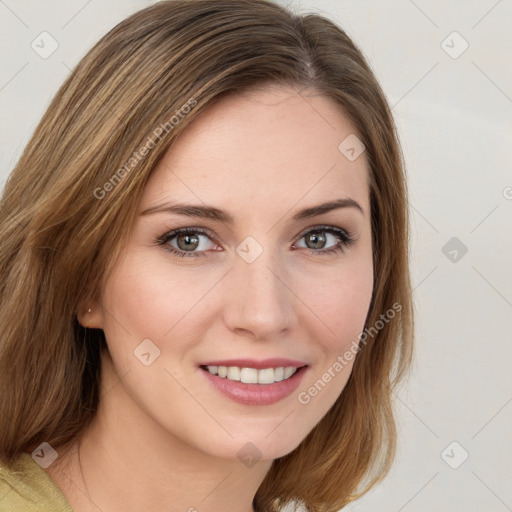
268	284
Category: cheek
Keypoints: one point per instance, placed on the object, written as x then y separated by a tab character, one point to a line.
149	298
343	301
339	301
340	305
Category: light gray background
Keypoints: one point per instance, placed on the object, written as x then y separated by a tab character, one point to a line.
455	121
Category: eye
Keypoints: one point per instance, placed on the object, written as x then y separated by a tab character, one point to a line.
183	242
317	239
187	240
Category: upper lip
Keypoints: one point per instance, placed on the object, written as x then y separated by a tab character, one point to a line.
274	362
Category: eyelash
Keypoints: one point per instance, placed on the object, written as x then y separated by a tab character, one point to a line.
346	240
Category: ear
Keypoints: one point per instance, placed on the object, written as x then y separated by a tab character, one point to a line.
90	314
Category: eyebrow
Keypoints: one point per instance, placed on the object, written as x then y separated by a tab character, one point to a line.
212	213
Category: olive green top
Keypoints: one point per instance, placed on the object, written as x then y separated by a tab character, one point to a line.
28	488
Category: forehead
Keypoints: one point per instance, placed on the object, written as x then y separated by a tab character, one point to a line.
273	146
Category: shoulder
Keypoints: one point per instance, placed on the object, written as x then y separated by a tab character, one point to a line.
27	487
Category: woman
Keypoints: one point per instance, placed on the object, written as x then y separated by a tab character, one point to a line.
205	294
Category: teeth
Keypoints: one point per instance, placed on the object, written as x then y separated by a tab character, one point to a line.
266	376
288	372
233	373
249	375
252	375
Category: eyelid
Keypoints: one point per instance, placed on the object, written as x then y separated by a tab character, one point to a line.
326	227
346	239
211	234
173	232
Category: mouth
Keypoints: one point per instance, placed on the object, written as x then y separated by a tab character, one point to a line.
255	381
251	375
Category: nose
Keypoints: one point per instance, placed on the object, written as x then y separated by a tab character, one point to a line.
258	299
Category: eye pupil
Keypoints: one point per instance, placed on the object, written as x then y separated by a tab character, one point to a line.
317	237
188	238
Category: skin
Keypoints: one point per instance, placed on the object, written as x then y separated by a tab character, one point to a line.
163	434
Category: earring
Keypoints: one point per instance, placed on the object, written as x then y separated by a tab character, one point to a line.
89	310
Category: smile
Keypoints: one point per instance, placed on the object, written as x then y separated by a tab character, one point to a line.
252	375
254	386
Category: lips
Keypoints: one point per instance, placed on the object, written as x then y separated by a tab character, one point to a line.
255	393
273	362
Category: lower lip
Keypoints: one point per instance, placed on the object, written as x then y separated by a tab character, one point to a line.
256	394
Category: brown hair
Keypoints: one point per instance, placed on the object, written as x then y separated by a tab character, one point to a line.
69	205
